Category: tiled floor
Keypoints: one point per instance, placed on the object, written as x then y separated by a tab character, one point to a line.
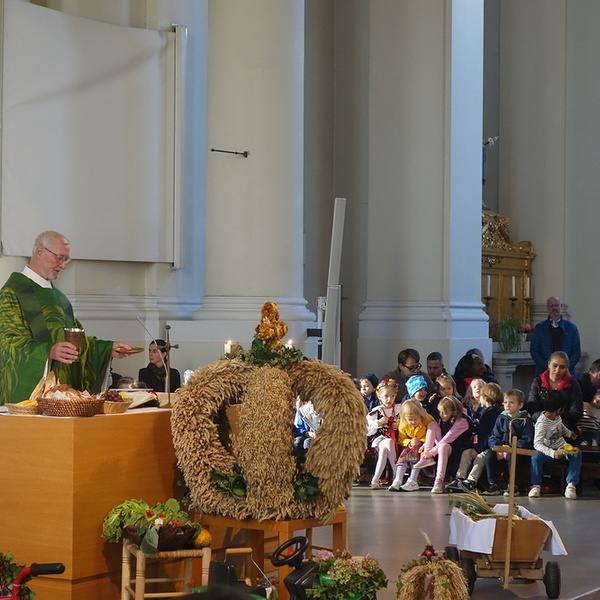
388	526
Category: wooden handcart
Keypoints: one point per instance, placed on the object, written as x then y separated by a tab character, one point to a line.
516	550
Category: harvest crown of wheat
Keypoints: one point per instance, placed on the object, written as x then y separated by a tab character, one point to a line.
232	431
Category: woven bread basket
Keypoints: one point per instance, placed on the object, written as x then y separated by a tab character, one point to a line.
23	409
114	408
80	407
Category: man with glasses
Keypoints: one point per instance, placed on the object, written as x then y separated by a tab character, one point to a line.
408	365
33	315
555	333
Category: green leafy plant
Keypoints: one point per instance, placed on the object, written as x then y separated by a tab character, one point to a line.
306	486
8	573
261	353
344	576
508	332
476	507
230	484
146	520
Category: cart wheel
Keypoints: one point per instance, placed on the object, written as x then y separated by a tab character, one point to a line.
451	553
468	565
552	580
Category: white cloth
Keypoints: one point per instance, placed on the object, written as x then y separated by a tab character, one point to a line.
478	536
36	278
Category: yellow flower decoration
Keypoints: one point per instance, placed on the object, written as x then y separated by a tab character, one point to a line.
270	329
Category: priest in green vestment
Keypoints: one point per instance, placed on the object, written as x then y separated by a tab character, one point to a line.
33	315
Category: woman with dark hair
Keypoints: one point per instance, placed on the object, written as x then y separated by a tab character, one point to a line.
557	377
470	367
154	375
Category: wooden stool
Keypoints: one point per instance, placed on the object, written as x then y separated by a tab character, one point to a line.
136	588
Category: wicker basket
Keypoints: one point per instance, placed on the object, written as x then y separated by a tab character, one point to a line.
169	537
23	409
114	408
58	407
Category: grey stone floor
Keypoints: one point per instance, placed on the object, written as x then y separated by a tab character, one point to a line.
388	526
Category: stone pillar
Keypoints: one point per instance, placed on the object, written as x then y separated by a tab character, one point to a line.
254	205
424	219
533	159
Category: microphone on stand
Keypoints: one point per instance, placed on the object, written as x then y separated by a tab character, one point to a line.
168	366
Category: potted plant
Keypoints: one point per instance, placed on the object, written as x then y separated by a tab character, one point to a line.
508	332
9	570
163	526
344	576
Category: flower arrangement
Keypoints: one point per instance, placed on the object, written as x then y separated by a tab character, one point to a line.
526	331
345	576
135	518
9	570
267	348
432	576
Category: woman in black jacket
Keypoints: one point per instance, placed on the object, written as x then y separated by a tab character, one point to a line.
154	375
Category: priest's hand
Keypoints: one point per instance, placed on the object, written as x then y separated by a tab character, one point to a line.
64	352
122	346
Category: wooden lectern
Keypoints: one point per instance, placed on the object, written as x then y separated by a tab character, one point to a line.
62	475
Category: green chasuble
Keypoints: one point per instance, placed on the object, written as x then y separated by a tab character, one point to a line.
31	322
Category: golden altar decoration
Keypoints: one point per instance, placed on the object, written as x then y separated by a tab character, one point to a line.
505	272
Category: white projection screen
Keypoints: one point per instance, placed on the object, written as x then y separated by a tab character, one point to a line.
87	135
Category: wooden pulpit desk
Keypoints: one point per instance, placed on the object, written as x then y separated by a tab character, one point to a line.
59	479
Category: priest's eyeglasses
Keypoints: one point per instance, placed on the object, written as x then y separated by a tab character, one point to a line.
63	260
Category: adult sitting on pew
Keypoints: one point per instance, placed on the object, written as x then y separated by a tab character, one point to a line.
408	365
557	377
589	381
469	367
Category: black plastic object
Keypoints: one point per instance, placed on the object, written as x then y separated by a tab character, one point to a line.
305	573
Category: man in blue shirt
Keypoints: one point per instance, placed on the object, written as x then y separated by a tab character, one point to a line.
555	333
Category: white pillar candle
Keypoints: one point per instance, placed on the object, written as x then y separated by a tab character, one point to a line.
527	288
489	286
513	287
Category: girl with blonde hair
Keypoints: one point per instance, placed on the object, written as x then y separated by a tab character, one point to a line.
417	431
456	432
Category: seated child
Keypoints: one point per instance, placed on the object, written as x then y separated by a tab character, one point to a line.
456	430
549	443
513	419
368	383
445	386
416	389
416	432
472	399
306	424
382	421
472	461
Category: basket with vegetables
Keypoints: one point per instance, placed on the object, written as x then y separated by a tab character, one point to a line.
162	527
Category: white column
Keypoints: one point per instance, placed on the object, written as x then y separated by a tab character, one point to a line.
425	135
533	159
254	211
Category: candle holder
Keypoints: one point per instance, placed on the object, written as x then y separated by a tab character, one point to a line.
527	301
487	300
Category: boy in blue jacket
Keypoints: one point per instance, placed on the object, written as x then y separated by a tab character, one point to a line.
514	418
